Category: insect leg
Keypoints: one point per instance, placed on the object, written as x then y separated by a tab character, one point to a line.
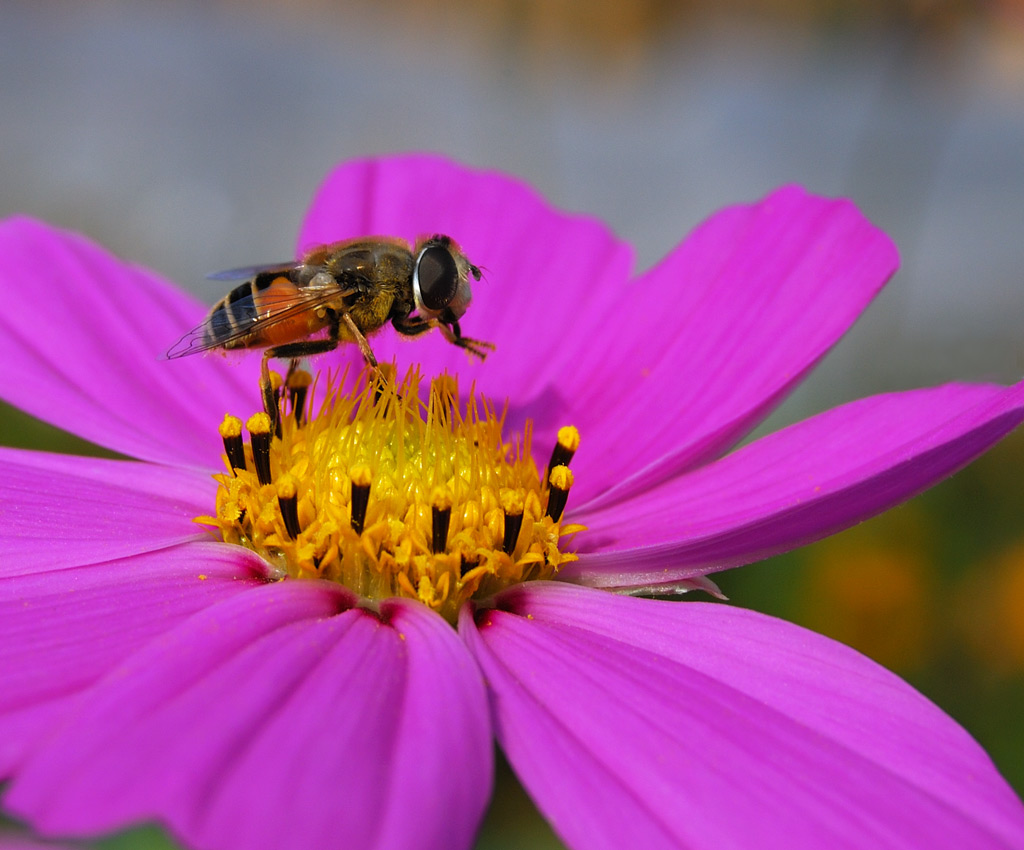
477	347
267	389
413	326
292	352
451	330
360	340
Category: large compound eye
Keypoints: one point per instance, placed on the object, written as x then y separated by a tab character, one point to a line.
437	277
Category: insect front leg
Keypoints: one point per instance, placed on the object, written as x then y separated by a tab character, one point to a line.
413	325
451	330
477	347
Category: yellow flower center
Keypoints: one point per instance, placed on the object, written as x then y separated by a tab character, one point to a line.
393	496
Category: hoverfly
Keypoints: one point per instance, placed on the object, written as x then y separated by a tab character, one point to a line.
337	293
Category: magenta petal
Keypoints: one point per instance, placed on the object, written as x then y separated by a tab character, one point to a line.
61	510
547	274
281	719
82	335
654	724
61	631
744	307
741	311
795	486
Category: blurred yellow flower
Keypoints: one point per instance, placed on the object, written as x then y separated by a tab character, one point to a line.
874	596
993	616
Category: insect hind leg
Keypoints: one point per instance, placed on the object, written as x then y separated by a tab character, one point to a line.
267	389
292	352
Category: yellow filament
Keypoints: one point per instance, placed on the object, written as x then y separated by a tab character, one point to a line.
415	457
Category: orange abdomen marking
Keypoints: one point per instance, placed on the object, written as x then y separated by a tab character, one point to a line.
266	311
281	316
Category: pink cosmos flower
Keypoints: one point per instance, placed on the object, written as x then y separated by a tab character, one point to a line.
147	672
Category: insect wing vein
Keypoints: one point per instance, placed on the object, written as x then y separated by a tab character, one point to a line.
271	309
248	272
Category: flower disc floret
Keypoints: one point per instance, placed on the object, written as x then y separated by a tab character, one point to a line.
392	495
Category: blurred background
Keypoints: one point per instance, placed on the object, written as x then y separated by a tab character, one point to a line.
189	137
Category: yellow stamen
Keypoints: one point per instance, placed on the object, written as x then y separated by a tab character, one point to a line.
512	507
560	480
441	514
566	446
231	433
288	501
258	427
361	479
393	496
298	384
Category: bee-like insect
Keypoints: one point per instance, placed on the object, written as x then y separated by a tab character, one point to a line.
337	293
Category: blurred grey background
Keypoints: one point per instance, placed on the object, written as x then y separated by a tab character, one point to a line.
189	136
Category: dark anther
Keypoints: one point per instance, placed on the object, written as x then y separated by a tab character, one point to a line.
513	523
234	448
259	437
465	565
288	500
512	506
298	389
559	482
360	497
565	448
441	512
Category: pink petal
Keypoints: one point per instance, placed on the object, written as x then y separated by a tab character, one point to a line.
720	332
82	335
60	511
549	277
283	718
61	631
795	486
742	310
655	724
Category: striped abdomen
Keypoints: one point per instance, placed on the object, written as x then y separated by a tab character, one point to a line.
270	309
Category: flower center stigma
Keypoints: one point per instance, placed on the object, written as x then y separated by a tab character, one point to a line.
391	495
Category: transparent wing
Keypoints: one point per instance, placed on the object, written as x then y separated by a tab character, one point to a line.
353	255
247	272
251	315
